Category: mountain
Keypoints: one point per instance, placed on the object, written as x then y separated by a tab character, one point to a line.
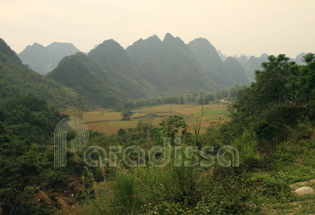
221	55
242	59
169	65
254	63
113	58
59	51
87	78
44	59
37	57
235	71
209	58
18	79
298	59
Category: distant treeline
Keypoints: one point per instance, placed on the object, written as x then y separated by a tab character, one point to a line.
193	98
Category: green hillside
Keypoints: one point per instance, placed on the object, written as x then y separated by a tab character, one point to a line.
113	58
87	78
60	50
18	79
235	71
169	65
209	58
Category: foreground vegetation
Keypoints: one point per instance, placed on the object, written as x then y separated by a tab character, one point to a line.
276	142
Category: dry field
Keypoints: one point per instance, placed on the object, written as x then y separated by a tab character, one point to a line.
109	122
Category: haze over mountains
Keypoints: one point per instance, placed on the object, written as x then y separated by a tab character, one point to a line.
252	63
218	71
169	66
44	59
113	58
109	74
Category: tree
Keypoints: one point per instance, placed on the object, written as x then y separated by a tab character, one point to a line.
129	104
210	97
202	94
271	83
201	101
306	79
234	92
181	100
191	98
206	100
169	127
126	114
225	94
218	95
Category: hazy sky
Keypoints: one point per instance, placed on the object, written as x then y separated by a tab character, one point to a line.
233	26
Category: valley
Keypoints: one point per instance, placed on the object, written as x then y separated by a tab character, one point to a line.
109	122
174	125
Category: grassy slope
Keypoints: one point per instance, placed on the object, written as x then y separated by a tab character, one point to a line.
260	185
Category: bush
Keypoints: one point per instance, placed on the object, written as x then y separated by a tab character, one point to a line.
248	149
265	130
125	192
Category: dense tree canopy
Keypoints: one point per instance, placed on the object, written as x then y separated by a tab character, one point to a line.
301	81
280	84
271	82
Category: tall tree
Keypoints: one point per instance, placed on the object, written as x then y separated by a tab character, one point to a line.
271	82
126	114
302	80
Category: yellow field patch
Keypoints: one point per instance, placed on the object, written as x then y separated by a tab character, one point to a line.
109	122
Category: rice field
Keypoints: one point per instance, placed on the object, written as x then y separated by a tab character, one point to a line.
109	122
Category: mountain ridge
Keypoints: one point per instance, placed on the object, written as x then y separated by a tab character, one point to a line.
44	59
112	57
170	66
87	78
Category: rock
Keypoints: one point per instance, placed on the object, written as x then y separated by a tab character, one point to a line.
302	183
304	191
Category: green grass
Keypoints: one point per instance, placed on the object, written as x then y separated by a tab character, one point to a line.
260	185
